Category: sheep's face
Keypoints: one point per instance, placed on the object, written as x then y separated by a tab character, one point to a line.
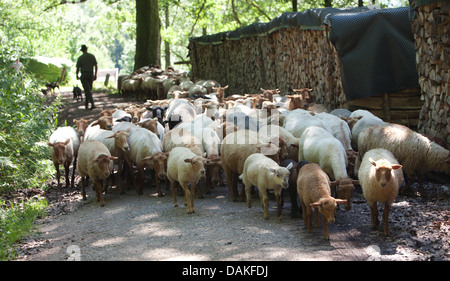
159	164
104	165
82	125
198	165
151	125
105	122
327	207
345	187
281	177
213	165
383	171
59	151
121	140
136	114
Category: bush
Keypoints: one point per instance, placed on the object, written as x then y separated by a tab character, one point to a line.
26	123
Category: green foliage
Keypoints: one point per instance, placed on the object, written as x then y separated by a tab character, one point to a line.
17	221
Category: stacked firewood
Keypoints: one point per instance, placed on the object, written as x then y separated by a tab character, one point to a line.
289	58
431	28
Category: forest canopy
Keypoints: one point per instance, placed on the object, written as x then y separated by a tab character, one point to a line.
57	28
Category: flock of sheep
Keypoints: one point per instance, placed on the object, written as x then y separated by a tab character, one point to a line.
267	140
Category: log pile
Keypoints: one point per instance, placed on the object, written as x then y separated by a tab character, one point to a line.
431	28
289	58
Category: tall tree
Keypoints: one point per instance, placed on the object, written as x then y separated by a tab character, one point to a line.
148	39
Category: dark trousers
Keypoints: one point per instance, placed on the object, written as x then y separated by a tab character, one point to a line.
87	81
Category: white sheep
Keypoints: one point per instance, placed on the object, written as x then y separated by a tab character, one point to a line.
380	176
235	149
266	174
313	188
143	144
181	107
298	125
317	145
360	120
416	153
95	161
185	167
64	143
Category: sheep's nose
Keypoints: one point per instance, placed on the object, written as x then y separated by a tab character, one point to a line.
109	127
383	184
126	148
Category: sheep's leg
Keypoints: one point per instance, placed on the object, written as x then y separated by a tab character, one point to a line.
140	180
279	206
72	185
304	211
386	219
325	228
249	196
374	214
316	217
193	186
67	173
58	175
100	193
242	193
119	175
309	219
158	187
187	197
422	191
83	191
233	189
208	181
175	202
264	201
294	205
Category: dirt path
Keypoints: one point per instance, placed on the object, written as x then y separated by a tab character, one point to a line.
148	227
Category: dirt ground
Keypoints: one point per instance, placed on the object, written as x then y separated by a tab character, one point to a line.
147	227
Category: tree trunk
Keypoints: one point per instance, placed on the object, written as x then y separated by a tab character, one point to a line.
147	34
294	6
328	3
166	43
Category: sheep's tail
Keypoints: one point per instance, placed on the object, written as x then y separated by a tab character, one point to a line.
241	176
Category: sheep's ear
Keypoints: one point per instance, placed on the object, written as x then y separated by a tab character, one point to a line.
110	137
95	123
372	162
188	160
50	144
355	181
315	204
271	170
149	157
334	183
67	141
341	201
113	158
290	166
396	167
295	145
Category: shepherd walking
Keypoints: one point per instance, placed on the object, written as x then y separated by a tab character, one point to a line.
87	64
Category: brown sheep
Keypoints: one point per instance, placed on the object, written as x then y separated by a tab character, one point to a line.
313	187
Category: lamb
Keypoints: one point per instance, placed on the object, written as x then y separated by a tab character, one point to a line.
313	188
95	161
298	125
220	92
263	172
104	122
291	141
64	143
235	149
416	153
380	176
144	144
318	146
185	167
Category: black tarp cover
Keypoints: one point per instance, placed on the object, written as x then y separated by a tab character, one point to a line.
376	51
